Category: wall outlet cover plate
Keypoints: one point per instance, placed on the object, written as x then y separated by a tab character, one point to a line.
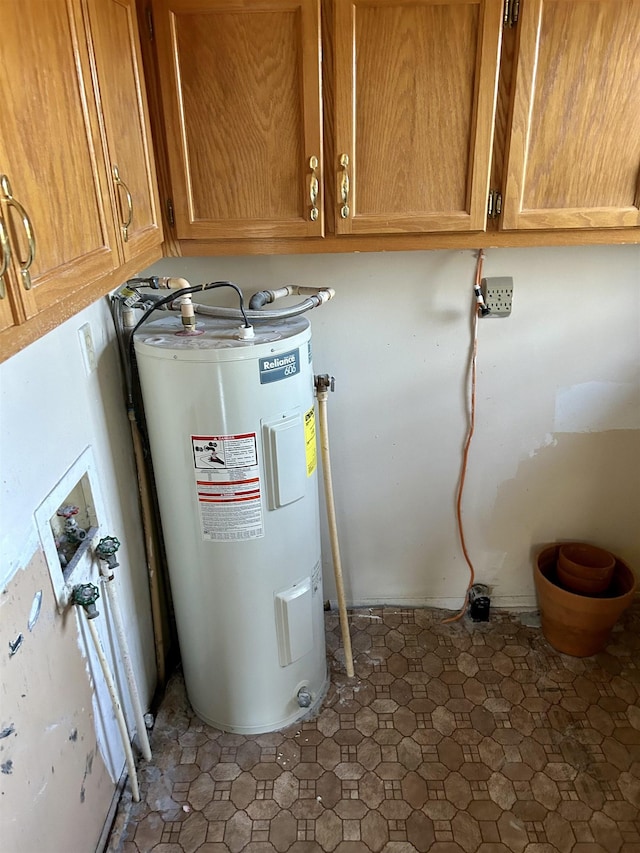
497	293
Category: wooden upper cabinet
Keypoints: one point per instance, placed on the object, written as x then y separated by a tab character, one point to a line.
573	147
415	100
240	83
120	84
55	196
10	309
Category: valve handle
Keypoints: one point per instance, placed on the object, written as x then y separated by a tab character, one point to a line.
85	595
107	547
68	511
324	382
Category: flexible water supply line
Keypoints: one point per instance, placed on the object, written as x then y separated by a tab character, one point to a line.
263	297
323	383
105	551
263	316
111	687
316	296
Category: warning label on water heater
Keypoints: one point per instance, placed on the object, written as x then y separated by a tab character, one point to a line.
227	480
310	440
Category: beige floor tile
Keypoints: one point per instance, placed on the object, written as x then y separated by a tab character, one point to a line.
461	738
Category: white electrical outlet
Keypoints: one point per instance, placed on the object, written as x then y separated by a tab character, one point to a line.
497	293
87	347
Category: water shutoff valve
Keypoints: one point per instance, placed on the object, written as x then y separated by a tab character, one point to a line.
85	595
106	551
324	382
68	511
73	533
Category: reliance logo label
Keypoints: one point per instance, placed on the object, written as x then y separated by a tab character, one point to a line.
278	367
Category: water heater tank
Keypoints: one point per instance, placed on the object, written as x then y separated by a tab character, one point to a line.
231	425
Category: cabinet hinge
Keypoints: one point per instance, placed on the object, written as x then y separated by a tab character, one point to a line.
150	22
494	204
170	215
511	12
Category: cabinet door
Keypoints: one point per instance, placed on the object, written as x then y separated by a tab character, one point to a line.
415	100
120	82
10	311
241	98
573	158
50	152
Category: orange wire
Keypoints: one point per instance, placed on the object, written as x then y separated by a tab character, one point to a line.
467	445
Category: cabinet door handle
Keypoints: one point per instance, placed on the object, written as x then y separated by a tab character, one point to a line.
313	187
344	186
7	197
5	246
124	226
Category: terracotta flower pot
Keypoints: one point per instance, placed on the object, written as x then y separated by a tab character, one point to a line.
579	625
585	568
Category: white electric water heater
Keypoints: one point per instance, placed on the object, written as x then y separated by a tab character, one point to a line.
231	424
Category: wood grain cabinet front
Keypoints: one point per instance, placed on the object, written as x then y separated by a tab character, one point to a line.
53	190
415	88
415	92
240	82
119	80
573	141
422	101
61	238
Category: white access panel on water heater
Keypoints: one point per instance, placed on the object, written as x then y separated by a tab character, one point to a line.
293	615
285	459
231	425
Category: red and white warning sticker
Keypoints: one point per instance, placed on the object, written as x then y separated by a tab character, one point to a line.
227	479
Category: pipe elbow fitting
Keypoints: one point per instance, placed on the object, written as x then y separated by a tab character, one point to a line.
260	299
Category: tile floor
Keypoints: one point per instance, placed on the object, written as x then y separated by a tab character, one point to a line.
451	739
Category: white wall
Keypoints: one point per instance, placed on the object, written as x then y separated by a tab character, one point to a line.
556	453
50	411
